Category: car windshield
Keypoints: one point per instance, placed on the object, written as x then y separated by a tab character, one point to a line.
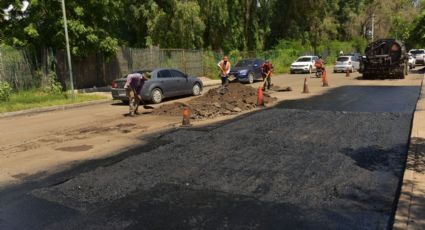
418	52
245	63
342	59
304	59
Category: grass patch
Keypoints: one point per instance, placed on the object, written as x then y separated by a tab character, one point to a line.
38	99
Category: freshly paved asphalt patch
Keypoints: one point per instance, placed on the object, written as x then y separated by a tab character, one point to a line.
320	163
361	99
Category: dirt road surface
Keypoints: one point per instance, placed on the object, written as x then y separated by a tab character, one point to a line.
329	159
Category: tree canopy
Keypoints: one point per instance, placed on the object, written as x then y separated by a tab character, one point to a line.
102	25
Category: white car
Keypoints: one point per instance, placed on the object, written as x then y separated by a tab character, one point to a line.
343	63
419	55
304	64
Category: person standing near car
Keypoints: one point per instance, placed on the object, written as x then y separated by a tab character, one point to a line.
267	70
320	65
224	66
133	86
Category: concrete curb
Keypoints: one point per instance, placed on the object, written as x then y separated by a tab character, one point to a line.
53	108
406	215
209	82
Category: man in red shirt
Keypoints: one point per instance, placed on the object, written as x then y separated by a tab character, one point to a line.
267	69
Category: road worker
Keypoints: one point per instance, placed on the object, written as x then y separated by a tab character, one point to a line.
224	66
133	86
267	70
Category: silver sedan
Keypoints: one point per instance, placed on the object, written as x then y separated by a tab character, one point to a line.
163	83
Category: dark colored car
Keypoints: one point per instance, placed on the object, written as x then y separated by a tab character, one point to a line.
163	83
247	70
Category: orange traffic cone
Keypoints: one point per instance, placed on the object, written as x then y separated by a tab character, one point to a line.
324	80
347	73
306	86
260	98
186	117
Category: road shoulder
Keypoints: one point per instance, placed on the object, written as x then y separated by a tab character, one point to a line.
410	213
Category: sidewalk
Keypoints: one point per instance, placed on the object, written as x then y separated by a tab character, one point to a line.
410	212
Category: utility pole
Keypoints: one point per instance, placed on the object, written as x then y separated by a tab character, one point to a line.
373	26
67	49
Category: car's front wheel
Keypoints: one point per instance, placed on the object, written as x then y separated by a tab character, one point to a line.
196	89
250	78
156	95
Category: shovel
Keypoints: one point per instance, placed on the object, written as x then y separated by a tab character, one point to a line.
148	107
145	106
141	101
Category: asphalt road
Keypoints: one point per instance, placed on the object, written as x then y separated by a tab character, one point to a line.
331	161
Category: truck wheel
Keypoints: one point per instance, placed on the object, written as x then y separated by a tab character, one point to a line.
366	76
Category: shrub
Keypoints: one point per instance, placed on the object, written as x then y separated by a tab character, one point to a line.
53	86
5	91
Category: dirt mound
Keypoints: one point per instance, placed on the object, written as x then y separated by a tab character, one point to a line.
217	102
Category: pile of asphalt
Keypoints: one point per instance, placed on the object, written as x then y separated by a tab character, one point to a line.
217	102
288	168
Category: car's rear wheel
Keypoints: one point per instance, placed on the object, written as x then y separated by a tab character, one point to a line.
196	89
156	95
250	78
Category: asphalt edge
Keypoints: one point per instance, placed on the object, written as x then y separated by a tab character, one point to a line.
401	218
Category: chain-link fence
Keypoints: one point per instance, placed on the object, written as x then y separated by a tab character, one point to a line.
15	68
189	61
97	71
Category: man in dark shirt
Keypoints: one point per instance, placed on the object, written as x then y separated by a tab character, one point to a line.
133	86
267	69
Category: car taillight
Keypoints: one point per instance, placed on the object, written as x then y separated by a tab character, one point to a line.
114	85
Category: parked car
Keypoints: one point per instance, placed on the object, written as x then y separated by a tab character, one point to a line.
419	55
352	63
163	83
411	61
357	55
304	64
247	70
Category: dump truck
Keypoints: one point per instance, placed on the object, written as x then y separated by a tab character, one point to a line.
384	59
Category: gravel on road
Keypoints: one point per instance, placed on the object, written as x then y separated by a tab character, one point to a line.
217	102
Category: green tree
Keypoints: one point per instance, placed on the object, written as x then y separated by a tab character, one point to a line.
177	24
417	34
92	26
